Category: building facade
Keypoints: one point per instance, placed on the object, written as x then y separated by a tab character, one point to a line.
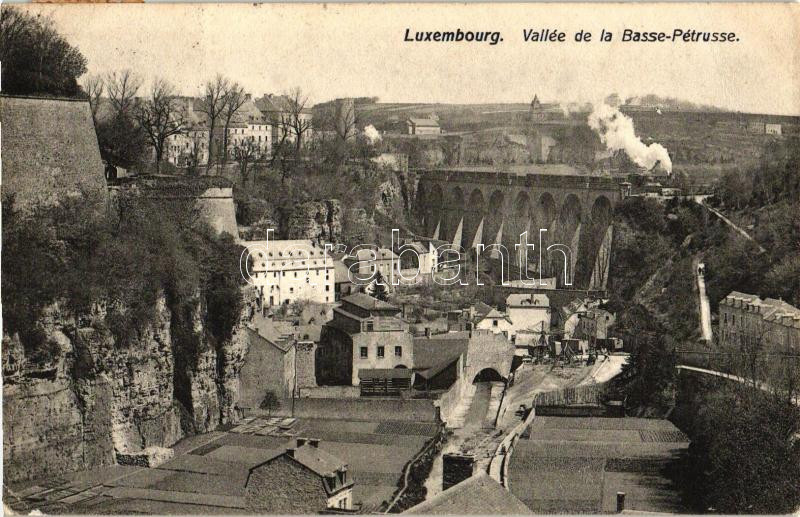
528	312
365	333
422	126
290	270
769	326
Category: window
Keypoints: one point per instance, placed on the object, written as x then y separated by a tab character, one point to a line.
398	351
327	287
380	351
295	274
494	323
370	326
364	353
291	289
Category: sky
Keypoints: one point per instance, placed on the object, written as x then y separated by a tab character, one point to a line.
352	50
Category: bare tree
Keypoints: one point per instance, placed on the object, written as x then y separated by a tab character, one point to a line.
246	153
213	105
94	87
296	118
122	87
235	98
160	117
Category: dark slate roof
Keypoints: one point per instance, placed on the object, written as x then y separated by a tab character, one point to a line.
49	148
369	303
478	495
319	461
284	343
423	122
439	351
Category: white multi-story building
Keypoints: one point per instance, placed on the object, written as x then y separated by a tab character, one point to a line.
291	270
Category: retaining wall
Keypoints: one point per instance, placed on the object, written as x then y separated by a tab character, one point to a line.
411	410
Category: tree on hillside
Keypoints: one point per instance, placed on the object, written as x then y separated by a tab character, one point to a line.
122	141
122	87
213	105
160	117
94	86
245	154
649	374
744	456
234	99
297	120
36	59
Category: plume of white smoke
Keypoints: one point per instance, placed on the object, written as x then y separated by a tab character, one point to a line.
616	132
372	134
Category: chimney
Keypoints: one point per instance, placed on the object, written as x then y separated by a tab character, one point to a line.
314	442
290	452
301	442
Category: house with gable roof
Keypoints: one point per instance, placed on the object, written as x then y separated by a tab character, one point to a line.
302	479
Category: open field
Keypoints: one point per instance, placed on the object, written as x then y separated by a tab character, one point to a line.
209	472
577	465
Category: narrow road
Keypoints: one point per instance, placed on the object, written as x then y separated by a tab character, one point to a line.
480	404
705	307
700	200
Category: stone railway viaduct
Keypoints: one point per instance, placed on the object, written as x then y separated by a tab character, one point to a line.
555	197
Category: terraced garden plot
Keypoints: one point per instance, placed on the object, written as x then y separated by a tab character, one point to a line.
368	438
590	435
194	482
599	423
371	496
557	506
606	450
665	436
311	426
579	467
556	463
126	506
654	465
647	493
200	464
371	458
417	428
248	455
375	478
145	478
242	440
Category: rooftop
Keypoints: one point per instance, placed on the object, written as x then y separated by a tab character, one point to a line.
425	122
440	350
478	495
368	303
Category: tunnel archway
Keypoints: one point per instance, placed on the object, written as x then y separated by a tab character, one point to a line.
488	375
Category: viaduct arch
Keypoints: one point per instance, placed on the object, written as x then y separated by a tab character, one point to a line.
563	204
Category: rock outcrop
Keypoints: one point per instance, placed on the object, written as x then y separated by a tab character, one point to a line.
319	221
101	400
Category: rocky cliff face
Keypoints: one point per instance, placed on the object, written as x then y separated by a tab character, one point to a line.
99	398
319	221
